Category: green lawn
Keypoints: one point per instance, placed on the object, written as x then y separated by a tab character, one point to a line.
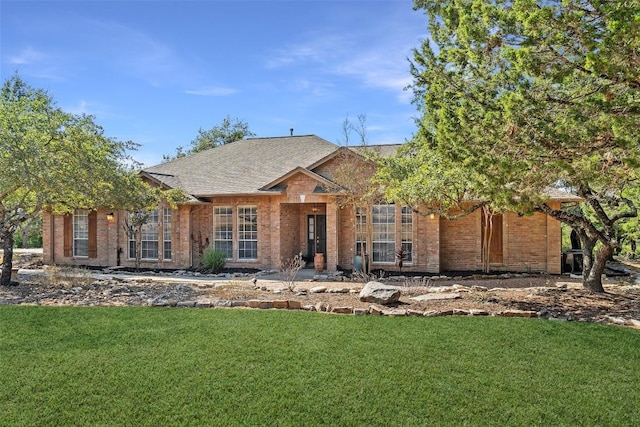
152	366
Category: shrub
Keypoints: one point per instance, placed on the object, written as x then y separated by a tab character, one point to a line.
213	259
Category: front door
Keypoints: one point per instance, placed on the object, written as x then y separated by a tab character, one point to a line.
316	235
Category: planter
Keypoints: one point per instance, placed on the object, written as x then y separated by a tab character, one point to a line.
318	262
361	264
358	265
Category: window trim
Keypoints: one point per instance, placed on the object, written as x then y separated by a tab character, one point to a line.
253	210
167	230
77	215
229	232
132	256
390	234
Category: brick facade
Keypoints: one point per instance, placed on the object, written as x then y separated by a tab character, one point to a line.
530	243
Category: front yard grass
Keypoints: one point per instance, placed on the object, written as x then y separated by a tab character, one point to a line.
153	366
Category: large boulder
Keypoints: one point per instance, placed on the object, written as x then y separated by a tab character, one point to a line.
379	293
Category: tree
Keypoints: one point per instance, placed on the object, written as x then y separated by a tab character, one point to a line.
354	184
227	131
56	161
518	97
360	128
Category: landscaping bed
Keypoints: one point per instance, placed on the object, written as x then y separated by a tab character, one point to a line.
523	295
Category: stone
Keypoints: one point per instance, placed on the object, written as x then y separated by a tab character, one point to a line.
519	313
616	320
237	303
544	314
411	312
318	289
431	313
635	324
320	306
379	293
295	305
281	304
437	296
342	310
203	304
460	312
309	307
375	310
265	304
395	312
360	311
222	303
478	312
253	303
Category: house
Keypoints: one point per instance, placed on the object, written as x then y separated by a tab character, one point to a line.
264	200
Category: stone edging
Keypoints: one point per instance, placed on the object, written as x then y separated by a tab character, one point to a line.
377	310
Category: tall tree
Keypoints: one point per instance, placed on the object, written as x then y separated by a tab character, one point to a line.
53	160
521	96
227	131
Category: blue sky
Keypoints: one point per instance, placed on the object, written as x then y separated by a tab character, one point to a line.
154	72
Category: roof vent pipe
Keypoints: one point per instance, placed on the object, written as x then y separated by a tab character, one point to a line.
291	130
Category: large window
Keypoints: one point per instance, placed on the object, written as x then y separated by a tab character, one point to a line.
248	233
223	230
406	234
81	233
391	231
166	234
361	231
383	222
149	236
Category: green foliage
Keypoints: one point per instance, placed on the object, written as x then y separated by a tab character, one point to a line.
224	133
57	161
151	366
213	259
520	97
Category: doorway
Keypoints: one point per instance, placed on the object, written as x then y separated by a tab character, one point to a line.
316	235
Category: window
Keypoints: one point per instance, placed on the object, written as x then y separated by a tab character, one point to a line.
81	233
247	233
166	234
383	221
361	231
406	234
223	230
149	238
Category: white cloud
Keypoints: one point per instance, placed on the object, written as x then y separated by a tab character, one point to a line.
377	61
27	56
212	91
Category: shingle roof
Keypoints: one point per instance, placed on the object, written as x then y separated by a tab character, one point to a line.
241	167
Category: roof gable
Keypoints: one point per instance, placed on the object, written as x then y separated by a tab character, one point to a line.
242	167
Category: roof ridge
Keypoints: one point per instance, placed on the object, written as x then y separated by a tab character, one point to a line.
281	137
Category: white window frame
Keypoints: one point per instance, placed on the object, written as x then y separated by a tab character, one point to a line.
383	224
147	239
361	230
81	233
406	233
167	247
247	233
223	230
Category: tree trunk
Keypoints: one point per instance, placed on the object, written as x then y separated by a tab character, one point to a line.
7	263
592	278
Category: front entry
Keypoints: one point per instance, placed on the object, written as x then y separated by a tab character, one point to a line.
316	235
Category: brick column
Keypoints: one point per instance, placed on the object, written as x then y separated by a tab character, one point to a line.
332	236
183	251
432	241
